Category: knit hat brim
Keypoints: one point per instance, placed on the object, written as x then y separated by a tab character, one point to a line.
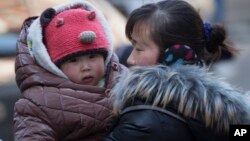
102	52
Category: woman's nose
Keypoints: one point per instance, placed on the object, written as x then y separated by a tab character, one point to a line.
131	61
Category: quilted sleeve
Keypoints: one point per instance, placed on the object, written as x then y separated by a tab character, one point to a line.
29	123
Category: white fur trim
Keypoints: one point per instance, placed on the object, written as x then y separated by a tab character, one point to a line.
38	49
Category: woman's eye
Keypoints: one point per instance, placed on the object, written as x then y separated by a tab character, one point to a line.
138	49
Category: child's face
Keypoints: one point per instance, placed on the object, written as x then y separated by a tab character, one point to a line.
86	69
144	53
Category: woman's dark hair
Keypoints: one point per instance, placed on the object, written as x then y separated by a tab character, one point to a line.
171	22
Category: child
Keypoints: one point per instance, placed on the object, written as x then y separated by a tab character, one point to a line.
65	88
187	107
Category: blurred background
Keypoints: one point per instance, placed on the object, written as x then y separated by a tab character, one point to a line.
233	14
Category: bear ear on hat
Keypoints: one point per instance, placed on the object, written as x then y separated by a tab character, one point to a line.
47	16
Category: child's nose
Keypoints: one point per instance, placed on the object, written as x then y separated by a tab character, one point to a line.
85	65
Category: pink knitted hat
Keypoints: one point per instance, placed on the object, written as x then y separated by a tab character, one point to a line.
70	29
73	32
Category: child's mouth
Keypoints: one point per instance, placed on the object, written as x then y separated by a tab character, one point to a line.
87	80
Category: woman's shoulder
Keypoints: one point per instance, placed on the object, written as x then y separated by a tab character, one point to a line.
153	114
155	122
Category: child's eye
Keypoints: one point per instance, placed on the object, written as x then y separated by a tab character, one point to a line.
73	60
93	56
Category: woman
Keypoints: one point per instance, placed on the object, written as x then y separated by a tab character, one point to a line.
181	103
